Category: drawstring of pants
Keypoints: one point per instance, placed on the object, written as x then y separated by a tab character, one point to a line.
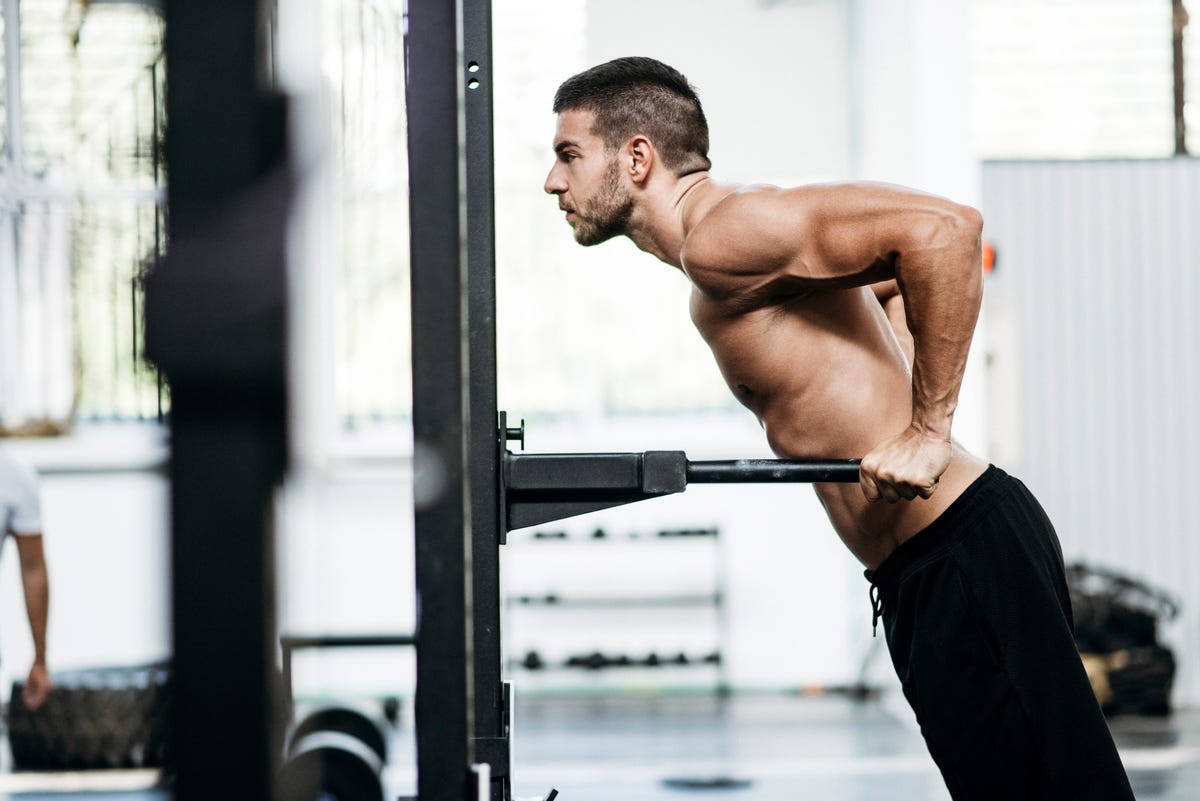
876	609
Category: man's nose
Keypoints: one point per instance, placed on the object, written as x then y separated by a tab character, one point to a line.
555	185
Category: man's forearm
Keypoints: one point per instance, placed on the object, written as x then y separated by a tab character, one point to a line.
942	291
37	605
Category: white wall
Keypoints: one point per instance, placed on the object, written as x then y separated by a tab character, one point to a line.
772	77
347	567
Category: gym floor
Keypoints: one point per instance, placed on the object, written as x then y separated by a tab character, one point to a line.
784	747
753	748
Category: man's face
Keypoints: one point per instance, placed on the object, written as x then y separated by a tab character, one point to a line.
587	181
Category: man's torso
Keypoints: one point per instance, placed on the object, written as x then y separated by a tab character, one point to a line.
826	377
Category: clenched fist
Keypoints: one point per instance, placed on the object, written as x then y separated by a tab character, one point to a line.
904	467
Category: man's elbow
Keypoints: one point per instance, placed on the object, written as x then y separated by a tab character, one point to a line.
33	565
35	575
962	234
968	222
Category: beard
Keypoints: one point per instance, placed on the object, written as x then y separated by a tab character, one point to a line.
606	214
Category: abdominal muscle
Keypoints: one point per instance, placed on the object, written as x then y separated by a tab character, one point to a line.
827	379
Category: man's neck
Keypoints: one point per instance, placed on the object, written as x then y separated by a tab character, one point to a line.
661	224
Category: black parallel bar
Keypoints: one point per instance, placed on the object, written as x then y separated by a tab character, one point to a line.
759	471
660	471
486	530
543	487
440	360
216	328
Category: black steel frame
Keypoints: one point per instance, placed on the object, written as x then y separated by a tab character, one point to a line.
492	695
445	691
216	327
462	702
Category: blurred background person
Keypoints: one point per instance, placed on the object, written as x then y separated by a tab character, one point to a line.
20	509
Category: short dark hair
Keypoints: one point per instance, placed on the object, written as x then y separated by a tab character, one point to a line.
636	95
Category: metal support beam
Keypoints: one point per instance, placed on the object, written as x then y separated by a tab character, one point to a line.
290	643
12	182
445	693
491	724
14	128
216	327
1179	21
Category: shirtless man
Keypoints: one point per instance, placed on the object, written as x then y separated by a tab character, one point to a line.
841	316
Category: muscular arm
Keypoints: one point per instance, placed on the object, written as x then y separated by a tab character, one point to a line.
845	235
36	583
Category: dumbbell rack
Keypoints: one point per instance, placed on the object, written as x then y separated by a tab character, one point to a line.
587	603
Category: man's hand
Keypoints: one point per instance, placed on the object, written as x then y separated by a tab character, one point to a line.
37	686
904	466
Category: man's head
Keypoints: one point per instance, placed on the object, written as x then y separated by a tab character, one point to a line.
622	105
635	95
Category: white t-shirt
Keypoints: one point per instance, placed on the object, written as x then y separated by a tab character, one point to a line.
20	508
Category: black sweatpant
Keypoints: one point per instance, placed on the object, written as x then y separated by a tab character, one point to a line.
978	623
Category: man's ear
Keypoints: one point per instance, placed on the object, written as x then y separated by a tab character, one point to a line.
639	158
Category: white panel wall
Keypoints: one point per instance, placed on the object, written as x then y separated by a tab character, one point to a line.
1096	364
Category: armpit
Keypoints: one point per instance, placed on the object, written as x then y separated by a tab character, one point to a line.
886	290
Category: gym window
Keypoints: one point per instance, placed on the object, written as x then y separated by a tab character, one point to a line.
1080	79
82	196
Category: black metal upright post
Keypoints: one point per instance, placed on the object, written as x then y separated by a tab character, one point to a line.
215	325
440	362
491	724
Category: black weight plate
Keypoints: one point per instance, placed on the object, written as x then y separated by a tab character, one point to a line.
345	721
329	772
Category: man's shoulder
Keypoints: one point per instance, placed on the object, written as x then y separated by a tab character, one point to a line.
737	203
16	468
751	231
